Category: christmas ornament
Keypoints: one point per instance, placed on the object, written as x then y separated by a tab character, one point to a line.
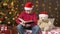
10	12
12	3
6	17
13	18
12	9
5	4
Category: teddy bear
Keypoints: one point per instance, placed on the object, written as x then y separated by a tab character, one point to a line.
44	22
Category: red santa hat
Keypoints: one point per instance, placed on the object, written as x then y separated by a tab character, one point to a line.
28	6
43	14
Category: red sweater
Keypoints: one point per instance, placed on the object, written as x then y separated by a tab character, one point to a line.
27	17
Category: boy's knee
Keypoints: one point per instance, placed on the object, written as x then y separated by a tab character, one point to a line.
19	26
36	27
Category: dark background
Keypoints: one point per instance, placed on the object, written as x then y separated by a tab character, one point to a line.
50	6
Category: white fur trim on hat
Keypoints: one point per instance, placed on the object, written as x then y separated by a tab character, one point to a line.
43	15
28	8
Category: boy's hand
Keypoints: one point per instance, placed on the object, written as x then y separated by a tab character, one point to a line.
22	23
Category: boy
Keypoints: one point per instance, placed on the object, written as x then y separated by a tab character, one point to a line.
27	19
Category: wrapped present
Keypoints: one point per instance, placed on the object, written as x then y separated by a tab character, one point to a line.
4	29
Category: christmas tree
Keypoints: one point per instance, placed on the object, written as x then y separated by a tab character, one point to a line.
8	11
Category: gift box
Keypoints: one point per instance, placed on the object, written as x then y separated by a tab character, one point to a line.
4	29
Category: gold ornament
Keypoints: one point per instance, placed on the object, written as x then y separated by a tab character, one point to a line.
5	4
2	13
13	18
10	12
12	9
5	17
12	3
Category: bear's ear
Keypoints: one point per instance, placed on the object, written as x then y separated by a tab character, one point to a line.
52	20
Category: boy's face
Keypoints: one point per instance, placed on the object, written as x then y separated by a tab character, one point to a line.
28	11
